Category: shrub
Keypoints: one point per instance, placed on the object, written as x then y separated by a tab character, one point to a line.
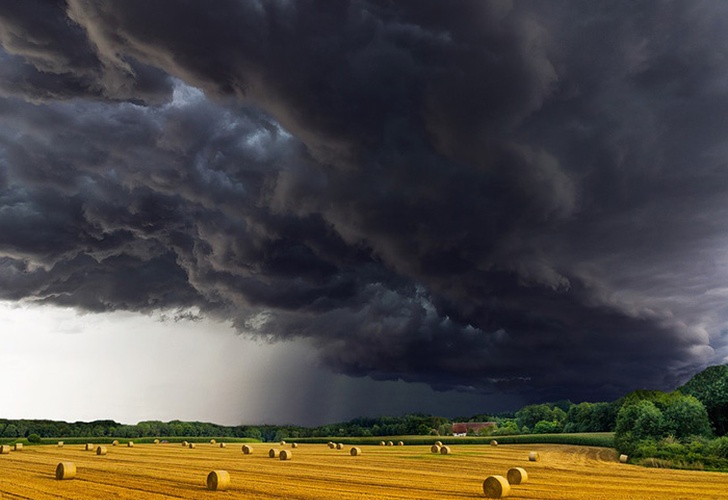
34	438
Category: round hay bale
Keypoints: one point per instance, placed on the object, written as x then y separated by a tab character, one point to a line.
400	443
115	442
390	443
60	444
191	445
130	444
101	450
156	441
273	453
494	443
89	447
218	480
445	450
247	449
332	446
4	449
355	452
533	456
286	454
65	470
496	487
294	445
212	441
283	443
222	445
382	443
339	446
435	448
185	443
438	443
18	447
517	475
623	459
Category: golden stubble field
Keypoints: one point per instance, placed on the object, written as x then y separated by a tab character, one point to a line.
319	473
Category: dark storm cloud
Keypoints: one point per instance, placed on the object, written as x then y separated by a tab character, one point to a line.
479	195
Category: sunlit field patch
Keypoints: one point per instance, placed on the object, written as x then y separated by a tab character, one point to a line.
316	472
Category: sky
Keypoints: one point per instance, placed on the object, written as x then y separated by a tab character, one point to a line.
302	211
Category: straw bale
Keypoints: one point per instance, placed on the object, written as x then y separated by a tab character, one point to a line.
533	456
273	453
156	441
355	452
517	475
130	444
390	443
283	443
286	454
212	441
191	445
101	450
222	445
494	443
623	459
339	446
496	487
4	449
294	445
65	470
247	449
89	447
60	444
438	443
400	443
115	442
185	443
18	447
445	450
382	443
435	448
218	480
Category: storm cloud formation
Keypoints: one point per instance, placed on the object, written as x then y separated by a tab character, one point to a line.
481	195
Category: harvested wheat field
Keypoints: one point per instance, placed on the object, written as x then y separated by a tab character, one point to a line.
317	472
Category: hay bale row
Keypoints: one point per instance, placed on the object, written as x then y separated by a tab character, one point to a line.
498	486
65	470
218	480
4	449
247	449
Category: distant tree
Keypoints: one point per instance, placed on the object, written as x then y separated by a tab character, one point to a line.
710	387
34	438
687	416
637	421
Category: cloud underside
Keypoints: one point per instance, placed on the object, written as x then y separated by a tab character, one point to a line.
483	196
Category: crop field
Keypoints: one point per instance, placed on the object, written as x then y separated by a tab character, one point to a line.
315	472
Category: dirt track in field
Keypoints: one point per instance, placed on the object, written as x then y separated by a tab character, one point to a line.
319	473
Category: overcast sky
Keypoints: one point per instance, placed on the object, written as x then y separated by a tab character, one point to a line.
304	211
